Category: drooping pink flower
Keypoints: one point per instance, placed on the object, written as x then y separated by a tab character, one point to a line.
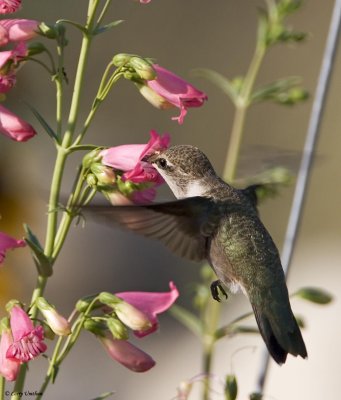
17	30
128	158
8	243
151	304
169	90
9	6
9	369
145	1
127	354
8	64
14	127
27	339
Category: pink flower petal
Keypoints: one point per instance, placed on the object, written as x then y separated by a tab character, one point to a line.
151	304
123	158
176	91
7	243
20	29
14	127
9	6
127	354
8	369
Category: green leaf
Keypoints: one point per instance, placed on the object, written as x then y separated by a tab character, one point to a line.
43	123
268	91
104	28
104	396
231	387
314	295
219	80
43	264
188	319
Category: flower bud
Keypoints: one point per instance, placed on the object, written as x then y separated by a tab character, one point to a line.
91	180
35	48
121	59
105	175
96	327
48	30
117	329
132	317
57	322
108	299
92	157
83	303
143	68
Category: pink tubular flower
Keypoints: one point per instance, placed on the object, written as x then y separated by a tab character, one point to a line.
127	354
17	30
14	127
7	243
9	6
27	339
128	158
8	65
169	90
9	369
150	304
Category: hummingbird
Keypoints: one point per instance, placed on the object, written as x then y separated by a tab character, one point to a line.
211	220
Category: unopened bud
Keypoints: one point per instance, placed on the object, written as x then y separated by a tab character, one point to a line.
143	68
117	329
121	59
48	30
96	327
35	48
109	299
132	317
83	304
56	322
105	175
91	180
92	157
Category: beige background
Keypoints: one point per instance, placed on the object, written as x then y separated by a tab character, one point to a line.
182	35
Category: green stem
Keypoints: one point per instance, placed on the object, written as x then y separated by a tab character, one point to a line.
19	383
242	104
2	387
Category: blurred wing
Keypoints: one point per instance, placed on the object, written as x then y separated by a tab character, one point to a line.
183	225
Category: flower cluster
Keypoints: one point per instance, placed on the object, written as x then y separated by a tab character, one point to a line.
16	31
135	310
122	175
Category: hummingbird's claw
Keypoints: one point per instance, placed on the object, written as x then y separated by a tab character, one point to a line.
215	287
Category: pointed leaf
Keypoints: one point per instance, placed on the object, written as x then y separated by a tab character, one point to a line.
219	80
271	89
43	264
315	295
188	319
43	123
106	27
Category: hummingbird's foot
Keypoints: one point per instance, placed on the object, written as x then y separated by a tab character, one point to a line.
215	287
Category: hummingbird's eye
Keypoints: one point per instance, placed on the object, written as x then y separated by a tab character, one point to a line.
162	162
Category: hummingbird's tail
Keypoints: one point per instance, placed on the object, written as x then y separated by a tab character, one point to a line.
280	333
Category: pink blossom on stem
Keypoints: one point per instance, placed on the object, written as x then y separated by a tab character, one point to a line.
151	304
145	1
127	354
14	127
17	30
128	158
169	90
27	339
8	65
9	369
9	6
8	243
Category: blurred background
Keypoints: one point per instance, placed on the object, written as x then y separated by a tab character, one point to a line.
181	35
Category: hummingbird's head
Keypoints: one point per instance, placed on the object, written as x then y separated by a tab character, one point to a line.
184	168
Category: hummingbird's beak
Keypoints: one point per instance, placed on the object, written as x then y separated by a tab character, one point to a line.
151	158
